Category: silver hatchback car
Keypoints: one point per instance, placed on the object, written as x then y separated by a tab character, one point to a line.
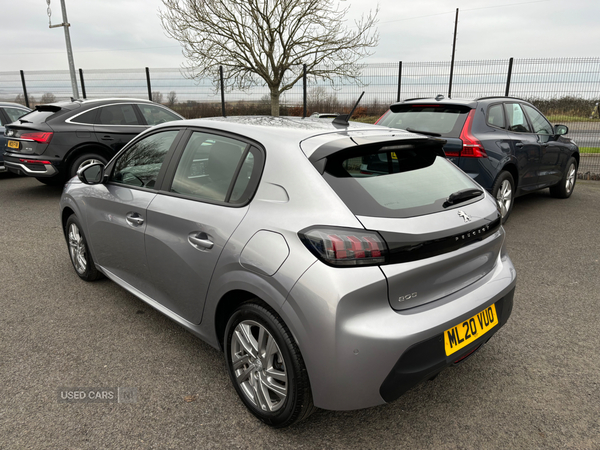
336	266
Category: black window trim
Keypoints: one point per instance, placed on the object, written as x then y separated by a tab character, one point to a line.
253	184
163	169
137	114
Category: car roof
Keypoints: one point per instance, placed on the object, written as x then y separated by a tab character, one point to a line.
440	99
293	130
15	105
75	104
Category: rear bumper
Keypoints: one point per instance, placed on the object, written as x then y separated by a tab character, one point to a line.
30	165
427	358
359	352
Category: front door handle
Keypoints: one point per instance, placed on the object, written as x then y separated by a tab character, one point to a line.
519	145
200	240
134	219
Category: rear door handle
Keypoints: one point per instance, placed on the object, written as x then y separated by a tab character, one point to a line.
200	240
519	145
107	138
134	219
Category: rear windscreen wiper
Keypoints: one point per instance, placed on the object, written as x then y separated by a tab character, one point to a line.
462	196
427	133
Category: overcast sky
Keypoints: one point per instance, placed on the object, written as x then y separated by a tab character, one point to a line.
114	34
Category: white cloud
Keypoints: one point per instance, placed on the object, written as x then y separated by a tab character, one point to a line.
127	33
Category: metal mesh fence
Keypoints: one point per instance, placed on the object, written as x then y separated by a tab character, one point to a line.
566	90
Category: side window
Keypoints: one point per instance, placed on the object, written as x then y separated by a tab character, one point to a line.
516	118
140	164
118	115
155	114
88	117
14	113
210	164
495	116
539	122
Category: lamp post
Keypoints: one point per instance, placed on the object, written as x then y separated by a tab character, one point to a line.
66	26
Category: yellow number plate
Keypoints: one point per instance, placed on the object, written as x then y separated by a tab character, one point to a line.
463	334
13	144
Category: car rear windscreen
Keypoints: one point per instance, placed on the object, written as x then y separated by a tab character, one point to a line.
442	120
394	182
36	116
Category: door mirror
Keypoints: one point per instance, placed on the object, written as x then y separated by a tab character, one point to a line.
91	174
560	130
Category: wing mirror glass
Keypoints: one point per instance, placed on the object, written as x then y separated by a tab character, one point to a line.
91	174
560	130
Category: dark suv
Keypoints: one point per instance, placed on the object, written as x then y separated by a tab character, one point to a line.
504	143
52	142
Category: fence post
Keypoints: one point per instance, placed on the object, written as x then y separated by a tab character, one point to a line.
82	84
24	89
399	80
304	90
148	83
453	53
510	66
222	91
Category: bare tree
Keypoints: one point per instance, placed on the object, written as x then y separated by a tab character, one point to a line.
269	40
48	97
171	99
157	97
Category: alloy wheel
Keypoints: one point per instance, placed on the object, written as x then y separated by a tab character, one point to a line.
259	366
87	162
504	197
77	249
570	181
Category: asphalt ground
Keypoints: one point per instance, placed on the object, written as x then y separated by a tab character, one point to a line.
536	384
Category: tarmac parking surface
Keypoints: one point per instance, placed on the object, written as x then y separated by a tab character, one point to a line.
536	384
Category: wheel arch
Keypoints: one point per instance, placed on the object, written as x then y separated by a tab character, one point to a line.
576	156
511	168
64	216
88	147
228	303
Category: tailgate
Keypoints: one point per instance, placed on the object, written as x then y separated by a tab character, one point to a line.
435	255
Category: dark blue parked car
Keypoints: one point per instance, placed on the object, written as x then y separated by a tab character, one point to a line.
504	143
9	112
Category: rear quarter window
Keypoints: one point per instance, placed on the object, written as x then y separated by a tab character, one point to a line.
403	182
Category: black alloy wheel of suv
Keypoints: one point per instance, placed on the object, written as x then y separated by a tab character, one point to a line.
55	140
503	143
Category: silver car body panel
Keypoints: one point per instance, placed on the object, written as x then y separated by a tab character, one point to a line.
349	335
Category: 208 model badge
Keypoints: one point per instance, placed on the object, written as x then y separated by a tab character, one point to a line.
464	215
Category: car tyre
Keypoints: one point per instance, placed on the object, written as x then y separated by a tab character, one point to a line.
504	193
266	367
79	251
565	187
84	160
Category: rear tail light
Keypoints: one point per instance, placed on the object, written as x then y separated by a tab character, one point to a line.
345	246
37	136
471	147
